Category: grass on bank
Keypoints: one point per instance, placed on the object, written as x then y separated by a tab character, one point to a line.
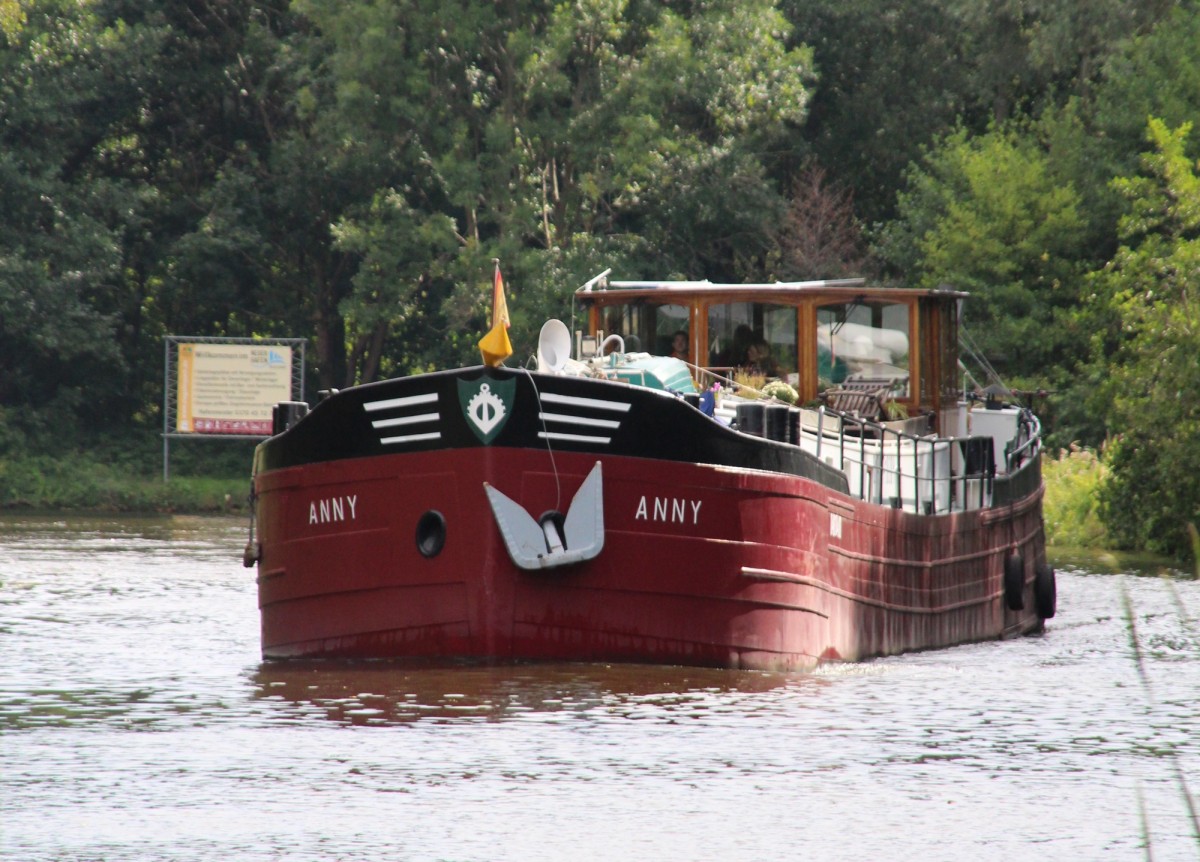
99	481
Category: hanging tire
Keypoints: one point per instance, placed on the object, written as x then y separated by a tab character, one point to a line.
1045	591
1014	582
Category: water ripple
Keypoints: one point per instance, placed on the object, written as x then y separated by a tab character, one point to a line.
137	716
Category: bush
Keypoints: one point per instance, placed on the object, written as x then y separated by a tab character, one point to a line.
1152	493
1071	505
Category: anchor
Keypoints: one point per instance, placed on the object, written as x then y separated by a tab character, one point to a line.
552	540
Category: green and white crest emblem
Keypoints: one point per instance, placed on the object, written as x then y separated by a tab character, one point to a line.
487	404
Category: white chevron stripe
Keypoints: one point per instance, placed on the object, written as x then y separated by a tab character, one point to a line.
580	420
573	438
407	401
410	438
596	403
404	420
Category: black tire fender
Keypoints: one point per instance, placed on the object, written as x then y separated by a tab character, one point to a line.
1045	591
1014	582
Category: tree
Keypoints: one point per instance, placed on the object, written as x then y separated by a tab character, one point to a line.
819	236
60	249
1099	132
1152	286
896	77
398	249
1156	74
557	137
988	215
891	79
1098	135
132	135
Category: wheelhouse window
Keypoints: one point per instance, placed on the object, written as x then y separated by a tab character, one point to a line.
864	341
753	336
645	326
668	321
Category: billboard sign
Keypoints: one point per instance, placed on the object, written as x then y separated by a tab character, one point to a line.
230	388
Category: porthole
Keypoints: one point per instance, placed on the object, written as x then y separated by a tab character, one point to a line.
431	533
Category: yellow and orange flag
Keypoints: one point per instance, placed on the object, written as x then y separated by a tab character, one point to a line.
495	346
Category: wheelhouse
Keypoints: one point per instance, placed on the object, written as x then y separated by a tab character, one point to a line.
816	335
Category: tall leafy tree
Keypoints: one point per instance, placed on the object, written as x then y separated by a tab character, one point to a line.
1099	132
211	103
60	241
1071	41
1097	135
556	137
897	76
1152	359
891	79
988	214
415	94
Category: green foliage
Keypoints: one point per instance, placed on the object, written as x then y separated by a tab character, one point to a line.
987	214
59	253
1071	504
1156	74
12	18
1099	133
896	77
1145	505
90	482
647	128
400	252
559	139
1152	287
123	124
892	79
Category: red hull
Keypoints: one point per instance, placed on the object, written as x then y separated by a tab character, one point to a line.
701	565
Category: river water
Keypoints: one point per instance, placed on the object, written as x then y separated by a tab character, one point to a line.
137	722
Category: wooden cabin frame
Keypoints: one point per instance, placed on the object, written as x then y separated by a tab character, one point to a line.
932	317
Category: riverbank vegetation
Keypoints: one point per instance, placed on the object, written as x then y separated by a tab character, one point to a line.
1071	505
83	485
345	170
206	477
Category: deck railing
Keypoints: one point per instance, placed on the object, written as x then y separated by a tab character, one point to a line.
917	473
